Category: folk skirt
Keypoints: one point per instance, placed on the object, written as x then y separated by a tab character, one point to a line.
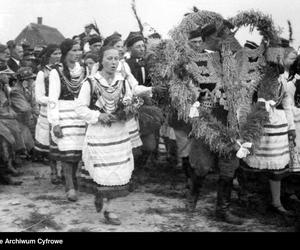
108	160
272	153
69	147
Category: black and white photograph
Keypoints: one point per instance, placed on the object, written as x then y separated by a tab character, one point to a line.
149	116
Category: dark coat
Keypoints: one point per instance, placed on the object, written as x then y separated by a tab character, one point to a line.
136	70
13	65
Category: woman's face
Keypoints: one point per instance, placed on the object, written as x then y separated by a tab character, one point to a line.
74	54
290	59
120	47
55	57
89	63
5	55
110	60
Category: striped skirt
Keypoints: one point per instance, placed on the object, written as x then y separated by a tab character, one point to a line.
108	160
73	129
134	133
272	154
42	131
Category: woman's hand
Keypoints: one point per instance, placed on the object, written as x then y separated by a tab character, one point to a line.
57	131
107	118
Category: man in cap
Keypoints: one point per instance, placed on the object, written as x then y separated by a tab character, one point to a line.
23	101
201	158
95	43
11	141
16	55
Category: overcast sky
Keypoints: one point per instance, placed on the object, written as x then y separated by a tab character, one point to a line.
69	16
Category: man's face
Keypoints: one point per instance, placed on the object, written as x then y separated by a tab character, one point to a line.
88	30
95	47
18	53
138	49
5	55
196	44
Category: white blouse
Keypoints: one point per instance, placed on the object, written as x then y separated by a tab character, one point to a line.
40	91
84	98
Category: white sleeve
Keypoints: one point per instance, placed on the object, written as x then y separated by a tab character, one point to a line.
54	92
287	103
137	89
40	92
82	103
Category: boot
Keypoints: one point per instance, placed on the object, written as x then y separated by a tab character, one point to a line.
98	201
74	177
223	202
54	176
11	170
194	183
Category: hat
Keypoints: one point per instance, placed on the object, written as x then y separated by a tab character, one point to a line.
93	56
95	39
2	48
250	45
46	52
155	36
114	38
11	44
28	56
25	73
284	43
90	25
195	33
207	30
133	37
66	46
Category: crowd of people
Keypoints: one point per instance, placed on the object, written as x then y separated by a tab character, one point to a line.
86	103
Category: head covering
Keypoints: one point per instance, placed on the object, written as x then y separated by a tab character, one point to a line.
46	52
2	48
155	36
195	33
25	73
28	56
250	45
93	56
112	39
133	37
207	30
11	44
95	39
66	46
90	25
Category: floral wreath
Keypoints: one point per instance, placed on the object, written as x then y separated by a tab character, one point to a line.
236	76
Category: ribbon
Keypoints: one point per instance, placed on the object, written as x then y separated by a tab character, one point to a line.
268	104
194	110
243	151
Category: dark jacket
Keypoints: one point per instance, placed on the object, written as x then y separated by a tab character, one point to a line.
136	70
13	65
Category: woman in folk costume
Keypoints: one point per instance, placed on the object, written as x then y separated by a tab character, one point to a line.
67	129
50	57
107	150
90	59
272	155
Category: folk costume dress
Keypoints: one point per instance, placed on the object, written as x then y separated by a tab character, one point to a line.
133	123
61	111
107	149
42	131
273	155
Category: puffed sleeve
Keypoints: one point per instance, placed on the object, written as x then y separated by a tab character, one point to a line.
54	92
40	92
82	103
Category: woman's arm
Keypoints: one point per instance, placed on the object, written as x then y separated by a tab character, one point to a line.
54	92
82	104
40	93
